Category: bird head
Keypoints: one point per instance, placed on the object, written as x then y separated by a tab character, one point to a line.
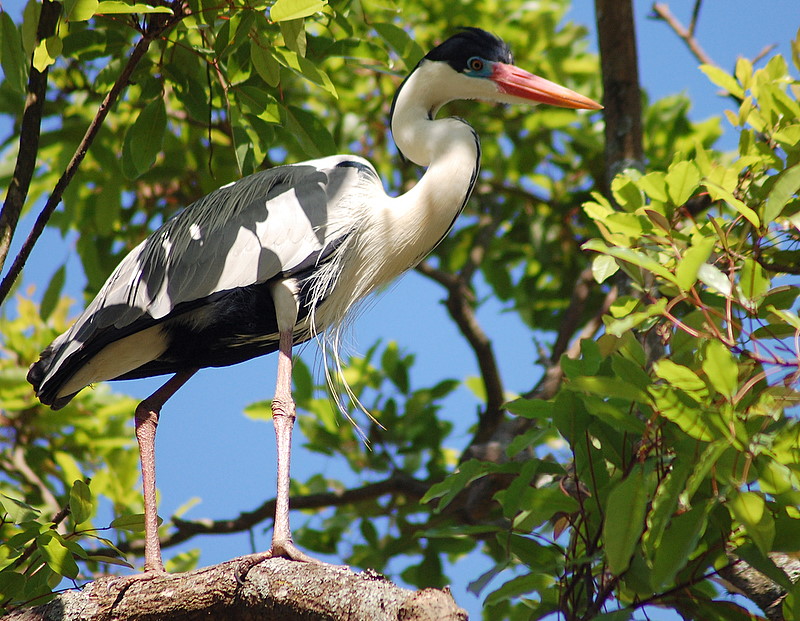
485	70
475	64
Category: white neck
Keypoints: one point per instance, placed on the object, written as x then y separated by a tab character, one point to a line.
449	147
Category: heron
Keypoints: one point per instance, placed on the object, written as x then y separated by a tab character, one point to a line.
280	256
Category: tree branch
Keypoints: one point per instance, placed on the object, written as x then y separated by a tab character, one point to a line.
28	136
156	27
187	529
621	97
273	590
459	304
661	11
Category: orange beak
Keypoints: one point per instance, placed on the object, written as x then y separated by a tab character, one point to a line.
517	82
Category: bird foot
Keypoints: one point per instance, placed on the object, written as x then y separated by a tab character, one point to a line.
286	549
280	549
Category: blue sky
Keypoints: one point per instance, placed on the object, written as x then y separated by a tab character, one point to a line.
209	450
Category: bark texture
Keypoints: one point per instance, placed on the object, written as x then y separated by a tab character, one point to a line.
276	589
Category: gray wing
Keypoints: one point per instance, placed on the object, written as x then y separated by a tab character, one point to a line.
248	232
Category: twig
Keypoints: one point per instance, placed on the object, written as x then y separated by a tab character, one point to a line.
695	17
662	11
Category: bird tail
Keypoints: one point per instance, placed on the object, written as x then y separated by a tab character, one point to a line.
45	384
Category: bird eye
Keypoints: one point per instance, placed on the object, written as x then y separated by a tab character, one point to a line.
475	64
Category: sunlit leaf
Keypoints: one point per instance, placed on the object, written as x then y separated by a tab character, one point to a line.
786	187
603	267
294	9
682	181
720	368
712	276
750	509
56	554
81	503
110	7
80	10
723	80
719	193
692	259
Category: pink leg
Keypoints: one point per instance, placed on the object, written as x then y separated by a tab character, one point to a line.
283	415
146	422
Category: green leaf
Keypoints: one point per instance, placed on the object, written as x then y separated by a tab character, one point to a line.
609	387
678	543
12	57
396	368
401	42
603	267
530	408
144	138
81	503
665	504
80	10
692	259
133	522
785	188
624	520
56	554
632	256
47	52
690	417
17	510
723	80
284	10
448	489
521	585
682	181
754	282
53	293
655	185
681	377
721	369
717	192
265	64
12	585
750	509
111	7
294	35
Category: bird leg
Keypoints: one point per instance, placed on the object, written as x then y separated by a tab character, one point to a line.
283	416
146	417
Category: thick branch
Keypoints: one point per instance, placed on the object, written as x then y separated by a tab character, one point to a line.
274	590
621	96
156	28
28	136
459	305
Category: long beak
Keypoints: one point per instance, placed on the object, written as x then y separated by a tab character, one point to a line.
517	82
